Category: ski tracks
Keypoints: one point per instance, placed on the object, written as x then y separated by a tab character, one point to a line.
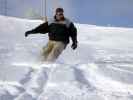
36	84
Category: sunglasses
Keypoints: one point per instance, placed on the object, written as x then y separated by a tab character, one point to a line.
59	14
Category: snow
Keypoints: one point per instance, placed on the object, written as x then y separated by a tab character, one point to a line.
99	69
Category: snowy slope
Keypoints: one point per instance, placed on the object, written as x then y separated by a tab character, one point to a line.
100	69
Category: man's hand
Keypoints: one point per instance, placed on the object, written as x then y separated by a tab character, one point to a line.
74	46
27	33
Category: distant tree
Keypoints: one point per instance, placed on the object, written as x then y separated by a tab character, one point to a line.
33	14
3	7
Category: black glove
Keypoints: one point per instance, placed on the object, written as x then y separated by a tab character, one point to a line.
74	46
27	33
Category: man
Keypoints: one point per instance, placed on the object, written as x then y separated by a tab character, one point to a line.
59	30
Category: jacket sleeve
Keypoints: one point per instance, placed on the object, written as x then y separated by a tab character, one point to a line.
42	28
73	33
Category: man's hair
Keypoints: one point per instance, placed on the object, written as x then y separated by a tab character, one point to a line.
59	10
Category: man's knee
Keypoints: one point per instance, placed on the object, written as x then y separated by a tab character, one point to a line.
47	50
52	53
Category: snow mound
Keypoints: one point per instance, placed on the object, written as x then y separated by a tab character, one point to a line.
99	69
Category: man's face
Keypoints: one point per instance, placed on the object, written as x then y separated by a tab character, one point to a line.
59	16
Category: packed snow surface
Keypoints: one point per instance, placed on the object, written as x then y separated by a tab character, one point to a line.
101	68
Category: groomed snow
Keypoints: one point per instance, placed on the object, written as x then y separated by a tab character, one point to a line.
101	68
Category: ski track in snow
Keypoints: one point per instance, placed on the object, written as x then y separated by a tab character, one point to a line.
100	69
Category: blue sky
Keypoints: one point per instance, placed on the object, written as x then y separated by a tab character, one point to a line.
104	12
98	12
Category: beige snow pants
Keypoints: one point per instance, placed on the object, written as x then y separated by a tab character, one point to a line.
52	51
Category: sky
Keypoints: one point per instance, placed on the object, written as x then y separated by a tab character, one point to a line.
98	12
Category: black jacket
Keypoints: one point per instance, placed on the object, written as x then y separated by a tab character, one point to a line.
58	31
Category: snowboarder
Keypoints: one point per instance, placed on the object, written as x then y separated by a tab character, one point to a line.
59	30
